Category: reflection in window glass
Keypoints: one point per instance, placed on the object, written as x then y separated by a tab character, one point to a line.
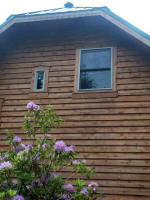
95	69
39	80
97	58
95	80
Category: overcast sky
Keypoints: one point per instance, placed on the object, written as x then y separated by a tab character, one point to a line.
135	11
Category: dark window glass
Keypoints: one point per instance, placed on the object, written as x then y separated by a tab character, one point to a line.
95	69
99	58
95	79
39	80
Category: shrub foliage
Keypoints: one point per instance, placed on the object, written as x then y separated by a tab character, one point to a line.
31	171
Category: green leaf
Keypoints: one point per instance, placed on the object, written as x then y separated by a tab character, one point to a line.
2	194
80	182
12	192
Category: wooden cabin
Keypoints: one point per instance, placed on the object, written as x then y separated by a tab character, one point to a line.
94	68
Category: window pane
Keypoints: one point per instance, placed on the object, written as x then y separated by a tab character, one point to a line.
39	80
95	79
95	58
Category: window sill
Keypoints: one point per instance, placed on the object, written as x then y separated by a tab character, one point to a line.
94	94
38	91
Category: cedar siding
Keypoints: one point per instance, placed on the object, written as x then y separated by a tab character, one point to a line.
111	129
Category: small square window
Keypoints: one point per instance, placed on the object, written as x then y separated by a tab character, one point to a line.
39	80
95	69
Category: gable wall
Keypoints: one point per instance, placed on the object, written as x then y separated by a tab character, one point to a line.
109	129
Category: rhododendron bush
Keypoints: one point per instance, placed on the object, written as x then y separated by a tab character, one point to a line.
31	171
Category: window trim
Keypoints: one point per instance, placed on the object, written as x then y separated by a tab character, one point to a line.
111	68
34	70
35	80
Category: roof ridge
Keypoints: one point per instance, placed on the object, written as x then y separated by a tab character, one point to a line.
61	8
39	12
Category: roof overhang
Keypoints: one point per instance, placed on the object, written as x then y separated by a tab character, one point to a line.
104	12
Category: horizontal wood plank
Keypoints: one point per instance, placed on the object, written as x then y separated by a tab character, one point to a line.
110	129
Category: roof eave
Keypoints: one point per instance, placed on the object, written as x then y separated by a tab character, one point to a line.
106	14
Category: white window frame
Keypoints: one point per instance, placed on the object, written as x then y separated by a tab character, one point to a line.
35	80
111	68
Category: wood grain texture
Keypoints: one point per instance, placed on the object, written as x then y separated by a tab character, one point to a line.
111	129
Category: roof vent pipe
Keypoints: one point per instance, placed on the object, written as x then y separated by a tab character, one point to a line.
68	5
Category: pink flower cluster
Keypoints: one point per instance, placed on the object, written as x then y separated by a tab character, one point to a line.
18	197
69	149
5	164
44	146
69	188
15	182
26	147
67	196
93	186
75	162
32	106
61	146
84	191
16	139
18	146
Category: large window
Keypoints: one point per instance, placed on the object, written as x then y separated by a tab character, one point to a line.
95	69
